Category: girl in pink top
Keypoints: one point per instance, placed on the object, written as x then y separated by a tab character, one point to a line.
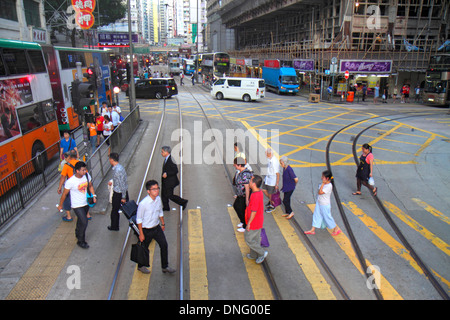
365	170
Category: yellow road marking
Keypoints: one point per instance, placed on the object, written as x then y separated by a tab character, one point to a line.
432	210
387	290
395	246
258	282
425	145
417	227
258	137
312	273
40	277
198	273
140	283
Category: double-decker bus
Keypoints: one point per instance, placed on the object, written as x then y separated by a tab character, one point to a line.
28	122
188	66
62	65
215	65
437	82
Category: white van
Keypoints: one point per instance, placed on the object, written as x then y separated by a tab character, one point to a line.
247	89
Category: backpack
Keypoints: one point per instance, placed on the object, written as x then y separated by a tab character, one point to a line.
70	165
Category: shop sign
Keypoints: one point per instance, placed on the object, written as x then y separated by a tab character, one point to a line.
358	66
272	63
303	65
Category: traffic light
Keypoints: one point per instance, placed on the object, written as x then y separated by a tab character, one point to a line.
82	96
91	76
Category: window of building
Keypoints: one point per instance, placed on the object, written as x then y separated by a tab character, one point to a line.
8	10
32	16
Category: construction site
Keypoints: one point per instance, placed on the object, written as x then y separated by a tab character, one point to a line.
327	34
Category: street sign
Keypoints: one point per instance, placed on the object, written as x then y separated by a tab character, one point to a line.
346	75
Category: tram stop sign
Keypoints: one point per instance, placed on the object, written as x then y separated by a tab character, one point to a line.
346	75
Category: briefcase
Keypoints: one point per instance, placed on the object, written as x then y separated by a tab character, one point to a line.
140	254
129	208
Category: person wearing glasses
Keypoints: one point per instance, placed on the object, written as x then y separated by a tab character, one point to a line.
150	221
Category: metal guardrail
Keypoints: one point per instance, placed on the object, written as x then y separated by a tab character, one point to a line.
22	185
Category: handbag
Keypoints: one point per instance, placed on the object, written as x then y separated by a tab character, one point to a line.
276	199
264	240
129	209
89	195
140	254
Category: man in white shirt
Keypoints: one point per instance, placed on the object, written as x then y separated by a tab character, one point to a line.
77	185
113	116
150	221
272	179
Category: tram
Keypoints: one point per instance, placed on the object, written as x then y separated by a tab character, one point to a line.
437	83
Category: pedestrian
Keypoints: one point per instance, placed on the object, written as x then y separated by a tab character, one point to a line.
169	180
254	217
241	181
107	128
417	92
92	136
272	179
394	94
322	211
104	109
290	180
365	170
150	221
114	117
376	93
364	92
385	94
120	190
78	185
117	109
193	79
67	143
238	153
99	126
181	78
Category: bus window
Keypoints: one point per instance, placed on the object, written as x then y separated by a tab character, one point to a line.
16	61
2	68
37	61
30	118
69	59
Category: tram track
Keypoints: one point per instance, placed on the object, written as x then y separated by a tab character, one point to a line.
379	204
265	266
180	220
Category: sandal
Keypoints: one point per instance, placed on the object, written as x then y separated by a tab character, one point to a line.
310	232
67	220
375	191
356	193
336	233
290	216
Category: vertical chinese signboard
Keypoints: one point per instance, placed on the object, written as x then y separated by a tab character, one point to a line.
83	16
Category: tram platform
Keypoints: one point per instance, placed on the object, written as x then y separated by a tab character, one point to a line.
37	246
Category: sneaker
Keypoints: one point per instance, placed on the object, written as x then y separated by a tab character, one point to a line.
168	270
144	270
249	256
240	225
260	260
270	207
241	229
269	210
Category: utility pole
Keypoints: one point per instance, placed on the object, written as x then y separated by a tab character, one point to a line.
131	90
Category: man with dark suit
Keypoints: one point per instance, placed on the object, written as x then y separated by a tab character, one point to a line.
169	180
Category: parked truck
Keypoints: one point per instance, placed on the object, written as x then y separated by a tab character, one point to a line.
280	80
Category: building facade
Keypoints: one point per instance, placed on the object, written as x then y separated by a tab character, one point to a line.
406	32
23	20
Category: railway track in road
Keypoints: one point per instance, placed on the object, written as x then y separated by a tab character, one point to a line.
141	192
355	245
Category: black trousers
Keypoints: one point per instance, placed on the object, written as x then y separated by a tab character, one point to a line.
158	234
167	194
116	203
82	222
287	201
239	206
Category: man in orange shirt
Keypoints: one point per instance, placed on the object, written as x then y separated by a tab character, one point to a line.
99	126
66	173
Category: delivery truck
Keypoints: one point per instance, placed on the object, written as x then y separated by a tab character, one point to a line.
280	80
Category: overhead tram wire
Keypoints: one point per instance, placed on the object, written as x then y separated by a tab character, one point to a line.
116	274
